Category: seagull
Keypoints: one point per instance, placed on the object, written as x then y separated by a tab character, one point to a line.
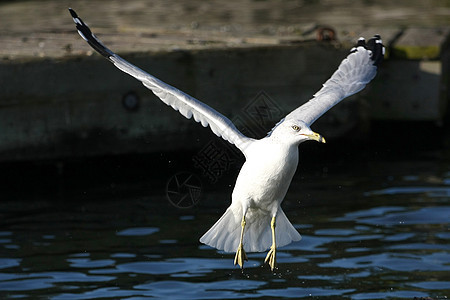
255	221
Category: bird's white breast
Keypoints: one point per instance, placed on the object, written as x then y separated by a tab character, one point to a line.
266	175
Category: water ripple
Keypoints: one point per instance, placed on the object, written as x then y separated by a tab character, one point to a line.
392	216
405	262
9	262
171	266
138	231
44	280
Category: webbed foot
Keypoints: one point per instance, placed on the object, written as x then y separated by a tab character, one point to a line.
271	257
240	257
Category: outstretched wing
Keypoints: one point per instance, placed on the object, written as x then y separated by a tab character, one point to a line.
185	104
354	72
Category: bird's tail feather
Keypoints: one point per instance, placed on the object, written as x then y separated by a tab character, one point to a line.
225	233
285	232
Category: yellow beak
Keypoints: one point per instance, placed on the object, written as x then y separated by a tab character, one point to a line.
316	137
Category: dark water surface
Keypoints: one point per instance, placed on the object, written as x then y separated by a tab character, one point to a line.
371	230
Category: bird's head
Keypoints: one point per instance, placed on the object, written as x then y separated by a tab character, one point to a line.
295	132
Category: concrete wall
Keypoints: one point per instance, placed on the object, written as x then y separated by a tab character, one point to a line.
74	105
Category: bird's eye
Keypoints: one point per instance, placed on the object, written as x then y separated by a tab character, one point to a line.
296	128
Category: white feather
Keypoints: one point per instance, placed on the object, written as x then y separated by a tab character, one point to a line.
225	233
353	74
186	105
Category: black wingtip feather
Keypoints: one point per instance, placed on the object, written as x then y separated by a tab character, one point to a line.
375	45
73	13
87	35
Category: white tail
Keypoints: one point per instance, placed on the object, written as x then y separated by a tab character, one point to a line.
225	234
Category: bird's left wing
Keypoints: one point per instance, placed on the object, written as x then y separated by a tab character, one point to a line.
188	106
354	72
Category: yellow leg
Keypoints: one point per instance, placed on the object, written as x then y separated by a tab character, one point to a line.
271	256
240	253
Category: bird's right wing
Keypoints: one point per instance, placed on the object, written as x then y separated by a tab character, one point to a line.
354	72
188	106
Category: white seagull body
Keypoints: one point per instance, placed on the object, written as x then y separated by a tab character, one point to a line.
255	221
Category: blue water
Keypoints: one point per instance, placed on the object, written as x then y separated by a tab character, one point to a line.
373	231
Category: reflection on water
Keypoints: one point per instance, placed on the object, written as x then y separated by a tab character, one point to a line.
372	233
